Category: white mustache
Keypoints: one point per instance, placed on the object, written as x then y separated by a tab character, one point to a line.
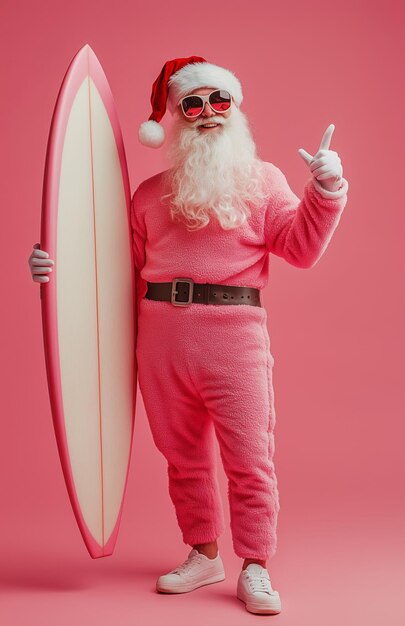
211	121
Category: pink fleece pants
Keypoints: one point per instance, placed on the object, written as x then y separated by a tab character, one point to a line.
205	370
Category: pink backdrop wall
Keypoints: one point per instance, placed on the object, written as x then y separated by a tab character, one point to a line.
336	330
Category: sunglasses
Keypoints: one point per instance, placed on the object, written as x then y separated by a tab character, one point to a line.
219	101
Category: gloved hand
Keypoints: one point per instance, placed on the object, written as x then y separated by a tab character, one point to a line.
325	166
40	264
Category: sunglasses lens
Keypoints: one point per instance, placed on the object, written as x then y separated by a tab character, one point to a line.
220	100
192	106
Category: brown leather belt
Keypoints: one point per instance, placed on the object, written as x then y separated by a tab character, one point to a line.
184	291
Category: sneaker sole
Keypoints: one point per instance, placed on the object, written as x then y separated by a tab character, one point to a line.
257	608
185	588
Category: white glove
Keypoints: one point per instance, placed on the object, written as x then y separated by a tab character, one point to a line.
40	264
325	166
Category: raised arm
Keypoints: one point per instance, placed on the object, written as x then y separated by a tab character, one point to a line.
300	230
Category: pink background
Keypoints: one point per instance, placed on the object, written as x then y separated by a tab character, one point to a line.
336	330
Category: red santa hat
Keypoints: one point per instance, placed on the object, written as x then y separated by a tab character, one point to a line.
178	78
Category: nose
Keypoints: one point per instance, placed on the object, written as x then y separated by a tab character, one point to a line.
207	111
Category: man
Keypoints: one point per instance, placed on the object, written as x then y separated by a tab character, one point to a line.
202	233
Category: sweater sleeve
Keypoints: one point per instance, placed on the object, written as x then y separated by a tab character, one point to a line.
297	230
139	241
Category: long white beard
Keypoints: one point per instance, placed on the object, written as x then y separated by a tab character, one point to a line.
213	172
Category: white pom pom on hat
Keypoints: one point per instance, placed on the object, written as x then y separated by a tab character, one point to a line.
178	78
151	134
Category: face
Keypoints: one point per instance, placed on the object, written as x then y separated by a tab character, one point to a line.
207	113
214	171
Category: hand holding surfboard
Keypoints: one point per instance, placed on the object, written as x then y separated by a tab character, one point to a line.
40	264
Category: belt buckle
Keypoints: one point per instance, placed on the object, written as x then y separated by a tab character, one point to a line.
190	283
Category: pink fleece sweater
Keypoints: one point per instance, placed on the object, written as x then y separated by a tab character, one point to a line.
297	230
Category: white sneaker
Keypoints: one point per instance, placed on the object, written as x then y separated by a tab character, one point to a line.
255	590
197	570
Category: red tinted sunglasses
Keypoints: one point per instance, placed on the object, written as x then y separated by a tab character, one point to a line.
193	105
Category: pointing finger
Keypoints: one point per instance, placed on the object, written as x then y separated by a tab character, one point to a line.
305	155
327	136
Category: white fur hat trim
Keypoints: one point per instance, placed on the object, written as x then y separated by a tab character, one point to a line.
195	75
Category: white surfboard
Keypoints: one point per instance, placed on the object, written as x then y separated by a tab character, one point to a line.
88	305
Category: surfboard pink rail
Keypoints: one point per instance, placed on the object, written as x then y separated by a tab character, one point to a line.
84	64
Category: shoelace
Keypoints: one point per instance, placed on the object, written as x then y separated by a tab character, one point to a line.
260	583
188	564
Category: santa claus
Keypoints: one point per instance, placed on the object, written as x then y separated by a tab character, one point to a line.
203	231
